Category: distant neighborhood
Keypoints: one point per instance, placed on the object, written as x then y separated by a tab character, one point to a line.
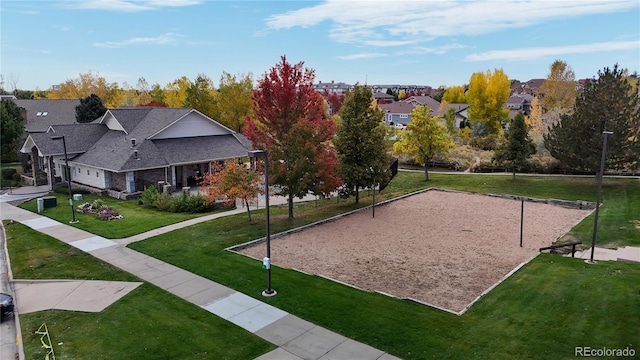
152	143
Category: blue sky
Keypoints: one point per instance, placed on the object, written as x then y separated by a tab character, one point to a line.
376	42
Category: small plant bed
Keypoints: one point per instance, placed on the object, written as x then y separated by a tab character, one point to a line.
98	208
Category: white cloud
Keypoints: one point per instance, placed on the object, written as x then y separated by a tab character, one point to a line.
361	56
165	39
128	5
383	22
541	52
439	50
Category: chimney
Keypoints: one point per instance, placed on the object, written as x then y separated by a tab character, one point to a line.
133	142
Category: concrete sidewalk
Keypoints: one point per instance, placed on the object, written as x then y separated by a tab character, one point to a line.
296	338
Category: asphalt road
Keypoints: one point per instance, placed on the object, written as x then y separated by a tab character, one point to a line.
8	340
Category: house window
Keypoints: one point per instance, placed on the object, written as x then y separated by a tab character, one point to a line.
97	174
404	116
88	172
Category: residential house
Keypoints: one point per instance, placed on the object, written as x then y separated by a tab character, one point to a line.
397	112
432	103
339	88
130	148
383	98
461	116
519	103
531	87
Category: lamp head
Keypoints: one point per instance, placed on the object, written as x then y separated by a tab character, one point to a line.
257	153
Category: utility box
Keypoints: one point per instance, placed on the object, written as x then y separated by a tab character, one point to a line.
77	197
40	202
49	202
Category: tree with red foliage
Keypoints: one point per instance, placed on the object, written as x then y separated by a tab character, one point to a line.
154	103
289	122
230	182
334	100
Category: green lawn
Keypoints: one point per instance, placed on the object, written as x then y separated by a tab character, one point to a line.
148	323
543	311
137	219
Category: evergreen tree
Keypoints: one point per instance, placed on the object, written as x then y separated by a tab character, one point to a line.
518	147
11	130
607	104
90	108
360	143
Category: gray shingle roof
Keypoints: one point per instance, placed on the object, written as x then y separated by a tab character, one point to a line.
78	138
52	112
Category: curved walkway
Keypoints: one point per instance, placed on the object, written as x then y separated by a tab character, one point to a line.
296	338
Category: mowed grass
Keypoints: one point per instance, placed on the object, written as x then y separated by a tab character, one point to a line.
545	310
148	323
137	218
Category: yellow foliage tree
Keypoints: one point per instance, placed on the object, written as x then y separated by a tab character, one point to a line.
454	94
424	138
486	96
558	91
233	100
176	92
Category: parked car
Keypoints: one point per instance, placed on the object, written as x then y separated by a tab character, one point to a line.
6	305
400	126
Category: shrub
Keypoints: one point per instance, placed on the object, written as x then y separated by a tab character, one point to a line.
7	173
198	204
150	196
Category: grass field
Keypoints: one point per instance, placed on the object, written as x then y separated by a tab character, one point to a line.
545	310
137	219
148	323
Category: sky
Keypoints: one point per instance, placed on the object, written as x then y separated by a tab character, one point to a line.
375	42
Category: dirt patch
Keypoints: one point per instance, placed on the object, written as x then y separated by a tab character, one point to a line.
442	248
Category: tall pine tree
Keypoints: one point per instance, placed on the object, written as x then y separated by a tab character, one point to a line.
360	142
607	104
518	147
90	108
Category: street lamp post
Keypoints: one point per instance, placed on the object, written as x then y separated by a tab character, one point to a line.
266	262
68	175
605	135
373	188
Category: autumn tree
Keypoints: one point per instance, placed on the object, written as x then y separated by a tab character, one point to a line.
558	91
606	104
233	100
201	95
360	142
143	90
176	92
11	130
289	122
89	109
486	96
229	182
449	116
85	85
454	95
334	100
424	138
517	148
157	95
